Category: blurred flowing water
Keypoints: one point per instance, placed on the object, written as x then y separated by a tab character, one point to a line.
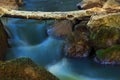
29	39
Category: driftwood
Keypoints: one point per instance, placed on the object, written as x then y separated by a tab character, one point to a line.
70	15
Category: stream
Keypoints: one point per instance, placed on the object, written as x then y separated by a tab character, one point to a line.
29	38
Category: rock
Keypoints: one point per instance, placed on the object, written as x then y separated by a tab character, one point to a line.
105	38
11	4
111	4
3	41
104	21
105	30
110	55
23	69
78	42
60	29
87	4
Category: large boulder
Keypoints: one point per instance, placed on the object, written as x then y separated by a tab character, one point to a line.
23	69
105	35
110	55
105	30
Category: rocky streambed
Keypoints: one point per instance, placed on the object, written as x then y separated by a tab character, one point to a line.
97	36
87	36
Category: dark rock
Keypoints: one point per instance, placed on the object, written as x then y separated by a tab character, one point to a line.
3	41
23	69
78	42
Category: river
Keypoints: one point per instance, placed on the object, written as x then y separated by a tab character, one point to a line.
29	38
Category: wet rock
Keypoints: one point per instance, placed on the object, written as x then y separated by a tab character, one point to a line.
78	42
3	41
60	29
105	38
110	55
23	69
105	30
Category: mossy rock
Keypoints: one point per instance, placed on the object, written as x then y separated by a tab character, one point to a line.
104	21
105	38
110	55
23	69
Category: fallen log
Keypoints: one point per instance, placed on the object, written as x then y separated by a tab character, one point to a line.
39	15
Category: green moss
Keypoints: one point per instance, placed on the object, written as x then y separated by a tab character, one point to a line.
100	54
109	53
